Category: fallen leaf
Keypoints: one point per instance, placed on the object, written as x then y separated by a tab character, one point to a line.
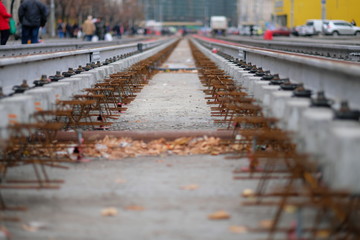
219	215
190	187
322	234
238	229
160	161
34	226
248	193
266	223
108	212
169	165
120	181
135	208
290	208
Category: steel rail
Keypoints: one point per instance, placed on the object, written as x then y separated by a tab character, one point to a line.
15	69
339	79
30	49
338	51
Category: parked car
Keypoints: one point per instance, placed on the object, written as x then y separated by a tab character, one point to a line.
300	31
340	27
313	27
281	31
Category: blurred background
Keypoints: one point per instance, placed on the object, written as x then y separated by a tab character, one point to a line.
159	17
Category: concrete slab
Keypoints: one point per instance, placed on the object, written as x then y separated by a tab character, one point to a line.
294	108
313	129
18	108
342	170
277	102
61	90
76	84
88	79
44	98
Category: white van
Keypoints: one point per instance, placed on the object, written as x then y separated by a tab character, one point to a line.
314	26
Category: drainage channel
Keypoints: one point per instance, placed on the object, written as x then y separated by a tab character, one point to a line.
168	195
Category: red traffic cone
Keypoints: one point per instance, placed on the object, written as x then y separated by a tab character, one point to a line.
268	35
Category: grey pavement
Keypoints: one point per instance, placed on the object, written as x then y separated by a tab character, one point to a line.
170	101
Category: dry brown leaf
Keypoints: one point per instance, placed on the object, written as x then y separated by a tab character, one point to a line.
322	234
109	212
135	208
238	229
160	161
120	181
118	148
248	193
190	187
182	141
33	226
290	208
266	223
219	215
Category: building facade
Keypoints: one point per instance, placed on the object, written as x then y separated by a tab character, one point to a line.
257	12
189	10
292	13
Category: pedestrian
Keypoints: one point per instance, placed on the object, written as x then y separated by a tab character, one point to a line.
60	29
68	31
75	28
353	22
100	28
32	15
88	28
117	30
4	24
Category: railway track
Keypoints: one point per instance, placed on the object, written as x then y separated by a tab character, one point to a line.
52	47
341	50
338	78
50	59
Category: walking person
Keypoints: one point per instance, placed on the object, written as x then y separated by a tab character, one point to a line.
88	29
100	28
32	15
4	24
